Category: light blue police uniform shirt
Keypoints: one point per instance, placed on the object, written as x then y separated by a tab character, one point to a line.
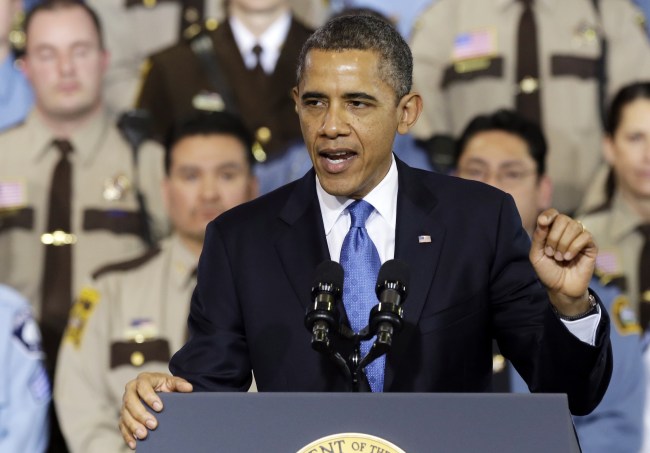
403	12
616	425
16	97
25	391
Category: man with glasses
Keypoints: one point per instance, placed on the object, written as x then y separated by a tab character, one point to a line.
508	152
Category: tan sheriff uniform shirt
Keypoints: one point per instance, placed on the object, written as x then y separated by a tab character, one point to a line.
619	246
465	65
135	29
131	318
105	220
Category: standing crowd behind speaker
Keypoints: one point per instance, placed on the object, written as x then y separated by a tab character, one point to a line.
80	179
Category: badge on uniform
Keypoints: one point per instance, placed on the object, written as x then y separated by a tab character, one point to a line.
26	333
473	50
140	330
13	195
208	101
586	34
79	315
624	317
116	188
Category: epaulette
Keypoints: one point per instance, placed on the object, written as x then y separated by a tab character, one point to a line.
194	30
127	265
611	279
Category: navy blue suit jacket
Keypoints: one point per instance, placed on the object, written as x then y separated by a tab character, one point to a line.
472	282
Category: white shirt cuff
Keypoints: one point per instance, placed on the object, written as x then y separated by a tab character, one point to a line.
585	329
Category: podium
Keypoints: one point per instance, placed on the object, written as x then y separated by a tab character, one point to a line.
340	422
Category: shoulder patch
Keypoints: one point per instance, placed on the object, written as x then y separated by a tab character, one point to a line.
26	333
624	317
79	315
127	265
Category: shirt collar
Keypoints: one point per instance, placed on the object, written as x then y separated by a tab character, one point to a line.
383	198
502	4
183	263
86	142
272	38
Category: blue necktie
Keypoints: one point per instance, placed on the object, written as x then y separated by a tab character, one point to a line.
361	263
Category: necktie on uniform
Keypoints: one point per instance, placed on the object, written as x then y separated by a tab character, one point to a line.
527	99
644	277
361	264
56	285
258	70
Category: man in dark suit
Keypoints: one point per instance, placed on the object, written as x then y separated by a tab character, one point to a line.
471	278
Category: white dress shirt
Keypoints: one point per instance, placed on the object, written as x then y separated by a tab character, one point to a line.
271	42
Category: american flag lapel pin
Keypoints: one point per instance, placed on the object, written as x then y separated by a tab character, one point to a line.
424	239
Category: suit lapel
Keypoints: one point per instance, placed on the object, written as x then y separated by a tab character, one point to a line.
302	245
419	239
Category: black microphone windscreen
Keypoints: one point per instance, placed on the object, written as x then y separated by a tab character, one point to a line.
395	271
329	272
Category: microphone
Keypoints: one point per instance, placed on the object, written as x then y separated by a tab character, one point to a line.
322	315
391	289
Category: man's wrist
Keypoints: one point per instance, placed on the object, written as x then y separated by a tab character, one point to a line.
591	310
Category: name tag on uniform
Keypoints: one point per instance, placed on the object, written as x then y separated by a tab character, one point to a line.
208	101
480	43
13	194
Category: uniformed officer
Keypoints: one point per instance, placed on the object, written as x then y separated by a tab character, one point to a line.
246	65
473	68
135	29
619	224
133	315
505	150
69	184
68	163
25	388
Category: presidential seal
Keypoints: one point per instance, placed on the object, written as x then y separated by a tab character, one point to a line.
351	443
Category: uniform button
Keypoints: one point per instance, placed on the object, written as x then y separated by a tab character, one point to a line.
211	24
149	3
498	363
191	15
646	296
58	237
258	152
528	85
137	358
263	135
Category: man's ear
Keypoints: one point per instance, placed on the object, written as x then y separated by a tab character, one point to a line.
409	110
296	98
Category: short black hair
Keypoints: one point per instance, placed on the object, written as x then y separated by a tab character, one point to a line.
53	5
208	123
365	32
512	123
